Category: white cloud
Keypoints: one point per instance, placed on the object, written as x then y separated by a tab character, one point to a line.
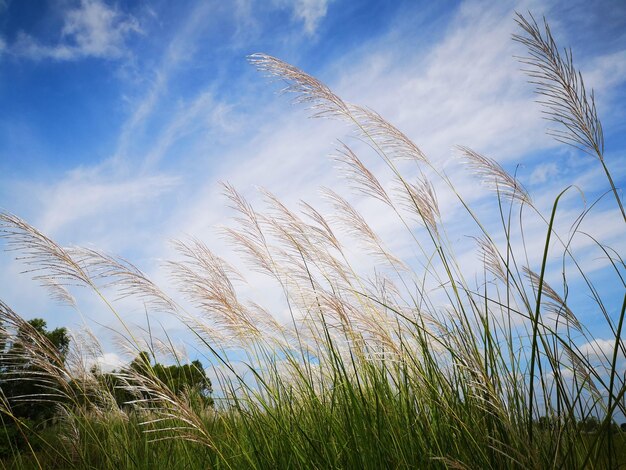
201	113
243	15
600	353
93	29
606	71
542	172
466	90
178	51
108	362
89	195
309	12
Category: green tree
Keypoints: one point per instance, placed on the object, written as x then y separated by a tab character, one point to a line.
28	395
589	424
179	378
22	381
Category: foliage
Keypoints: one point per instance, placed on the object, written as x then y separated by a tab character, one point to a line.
29	398
189	379
22	380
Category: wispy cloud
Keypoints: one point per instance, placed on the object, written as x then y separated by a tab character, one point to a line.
203	113
542	172
85	195
93	29
179	50
309	12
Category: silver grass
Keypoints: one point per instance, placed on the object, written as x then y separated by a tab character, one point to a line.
362	179
581	371
126	278
207	280
30	347
48	262
554	303
561	87
494	176
489	256
322	226
420	199
354	223
307	89
209	289
292	234
389	141
248	238
57	291
160	405
310	251
564	97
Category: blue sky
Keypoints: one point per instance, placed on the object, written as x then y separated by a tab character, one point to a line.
119	118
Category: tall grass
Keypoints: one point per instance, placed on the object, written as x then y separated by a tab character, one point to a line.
421	365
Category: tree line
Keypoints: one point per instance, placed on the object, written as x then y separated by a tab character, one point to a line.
29	400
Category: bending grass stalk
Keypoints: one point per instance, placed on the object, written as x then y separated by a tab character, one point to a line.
535	319
609	414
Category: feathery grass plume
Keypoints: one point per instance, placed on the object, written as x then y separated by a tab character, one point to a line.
204	278
385	290
52	265
354	223
420	199
563	93
331	255
565	99
249	238
164	413
297	241
489	256
83	354
361	178
32	357
125	277
376	371
555	304
92	398
582	371
308	89
494	176
207	281
391	142
323	228
368	324
311	252
271	329
57	291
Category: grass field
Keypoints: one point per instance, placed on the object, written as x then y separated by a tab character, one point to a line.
423	366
